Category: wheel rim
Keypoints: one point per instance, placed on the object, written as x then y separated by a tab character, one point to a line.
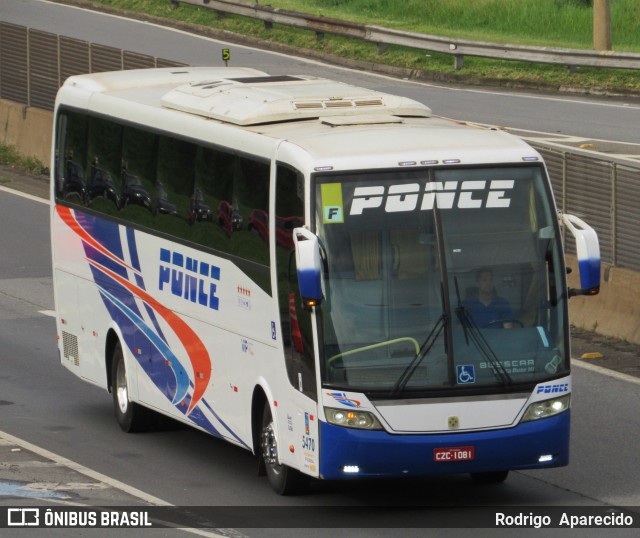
122	393
270	449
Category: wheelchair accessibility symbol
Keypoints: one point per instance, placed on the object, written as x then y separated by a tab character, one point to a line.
466	374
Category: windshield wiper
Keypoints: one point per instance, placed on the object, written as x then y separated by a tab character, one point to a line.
473	333
426	346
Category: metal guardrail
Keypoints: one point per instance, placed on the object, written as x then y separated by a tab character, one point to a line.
458	48
601	188
605	191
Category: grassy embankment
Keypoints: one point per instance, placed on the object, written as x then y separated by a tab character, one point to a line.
9	156
554	23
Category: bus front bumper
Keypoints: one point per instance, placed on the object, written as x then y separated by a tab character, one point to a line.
350	453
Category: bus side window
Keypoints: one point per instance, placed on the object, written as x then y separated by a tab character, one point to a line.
137	175
105	158
71	158
295	320
250	193
174	184
214	189
228	189
74	182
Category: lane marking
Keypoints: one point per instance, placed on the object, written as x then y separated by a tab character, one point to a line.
50	313
85	470
606	371
25	195
525	95
7	438
29	464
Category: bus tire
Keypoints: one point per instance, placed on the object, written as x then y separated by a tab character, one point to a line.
496	477
283	479
131	417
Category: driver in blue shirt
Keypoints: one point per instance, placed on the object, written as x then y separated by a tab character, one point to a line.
486	308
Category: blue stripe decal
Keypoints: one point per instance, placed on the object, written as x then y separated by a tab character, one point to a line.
135	263
182	378
235	436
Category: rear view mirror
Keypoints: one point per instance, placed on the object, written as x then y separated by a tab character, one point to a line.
309	265
588	252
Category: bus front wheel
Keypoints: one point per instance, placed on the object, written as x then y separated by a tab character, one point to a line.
283	479
130	415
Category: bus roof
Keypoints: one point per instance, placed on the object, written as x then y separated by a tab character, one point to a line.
266	99
327	119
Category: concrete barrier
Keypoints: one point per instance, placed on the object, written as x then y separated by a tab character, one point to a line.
615	312
28	129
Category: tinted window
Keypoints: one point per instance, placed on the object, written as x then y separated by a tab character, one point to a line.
295	320
195	193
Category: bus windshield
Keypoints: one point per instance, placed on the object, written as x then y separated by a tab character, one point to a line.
440	279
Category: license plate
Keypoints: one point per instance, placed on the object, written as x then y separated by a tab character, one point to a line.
459	453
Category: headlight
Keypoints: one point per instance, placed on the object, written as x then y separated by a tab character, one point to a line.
547	408
362	420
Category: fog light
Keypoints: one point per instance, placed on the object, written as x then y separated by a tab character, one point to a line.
545	458
351	469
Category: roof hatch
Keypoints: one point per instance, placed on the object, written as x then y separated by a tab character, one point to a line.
265	99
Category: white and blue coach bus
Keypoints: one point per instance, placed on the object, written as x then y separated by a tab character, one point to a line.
325	275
